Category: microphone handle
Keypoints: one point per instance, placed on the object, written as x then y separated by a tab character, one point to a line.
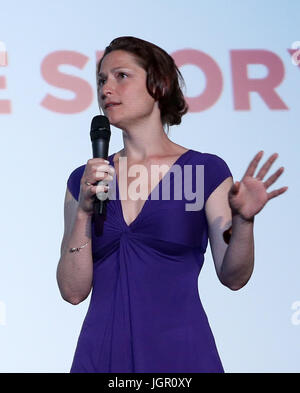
100	150
100	207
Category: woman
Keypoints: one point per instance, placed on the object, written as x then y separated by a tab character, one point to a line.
145	314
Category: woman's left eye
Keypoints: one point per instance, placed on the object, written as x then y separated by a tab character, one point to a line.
122	75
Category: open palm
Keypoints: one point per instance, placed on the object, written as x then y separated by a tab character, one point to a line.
248	196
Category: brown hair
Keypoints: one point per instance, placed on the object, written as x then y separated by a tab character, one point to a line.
164	79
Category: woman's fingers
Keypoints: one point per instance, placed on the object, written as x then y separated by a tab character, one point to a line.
271	181
104	172
275	193
100	172
102	188
253	164
106	168
94	182
103	176
274	177
98	188
264	169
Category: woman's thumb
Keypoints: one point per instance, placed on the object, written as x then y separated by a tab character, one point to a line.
236	187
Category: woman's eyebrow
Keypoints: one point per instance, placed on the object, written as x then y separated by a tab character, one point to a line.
102	74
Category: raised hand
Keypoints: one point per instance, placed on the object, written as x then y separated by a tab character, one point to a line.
248	196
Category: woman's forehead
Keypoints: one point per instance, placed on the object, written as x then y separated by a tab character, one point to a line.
118	59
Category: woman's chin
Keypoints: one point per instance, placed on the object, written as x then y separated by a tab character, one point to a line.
112	120
115	122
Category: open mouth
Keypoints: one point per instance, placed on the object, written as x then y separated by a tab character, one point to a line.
111	105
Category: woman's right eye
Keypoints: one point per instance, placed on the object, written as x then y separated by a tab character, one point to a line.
101	81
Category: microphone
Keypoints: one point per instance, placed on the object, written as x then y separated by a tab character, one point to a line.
100	136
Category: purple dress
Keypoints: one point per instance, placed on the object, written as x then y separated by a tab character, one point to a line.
145	314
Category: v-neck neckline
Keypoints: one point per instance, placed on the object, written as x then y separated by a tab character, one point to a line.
149	195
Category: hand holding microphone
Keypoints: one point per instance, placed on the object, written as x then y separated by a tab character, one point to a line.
94	183
97	174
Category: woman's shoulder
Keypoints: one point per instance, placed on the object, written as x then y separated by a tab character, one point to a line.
77	172
215	170
73	182
211	159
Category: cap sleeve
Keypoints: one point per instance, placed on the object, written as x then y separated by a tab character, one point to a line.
215	172
73	183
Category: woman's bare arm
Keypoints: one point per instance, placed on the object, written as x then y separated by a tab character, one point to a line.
75	269
236	205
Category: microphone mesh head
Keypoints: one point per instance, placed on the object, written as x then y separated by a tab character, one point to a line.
100	128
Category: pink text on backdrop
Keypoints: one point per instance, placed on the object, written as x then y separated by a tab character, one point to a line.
242	84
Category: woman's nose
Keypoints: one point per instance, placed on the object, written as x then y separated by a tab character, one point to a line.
107	89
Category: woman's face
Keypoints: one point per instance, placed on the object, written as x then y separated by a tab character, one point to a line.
122	91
